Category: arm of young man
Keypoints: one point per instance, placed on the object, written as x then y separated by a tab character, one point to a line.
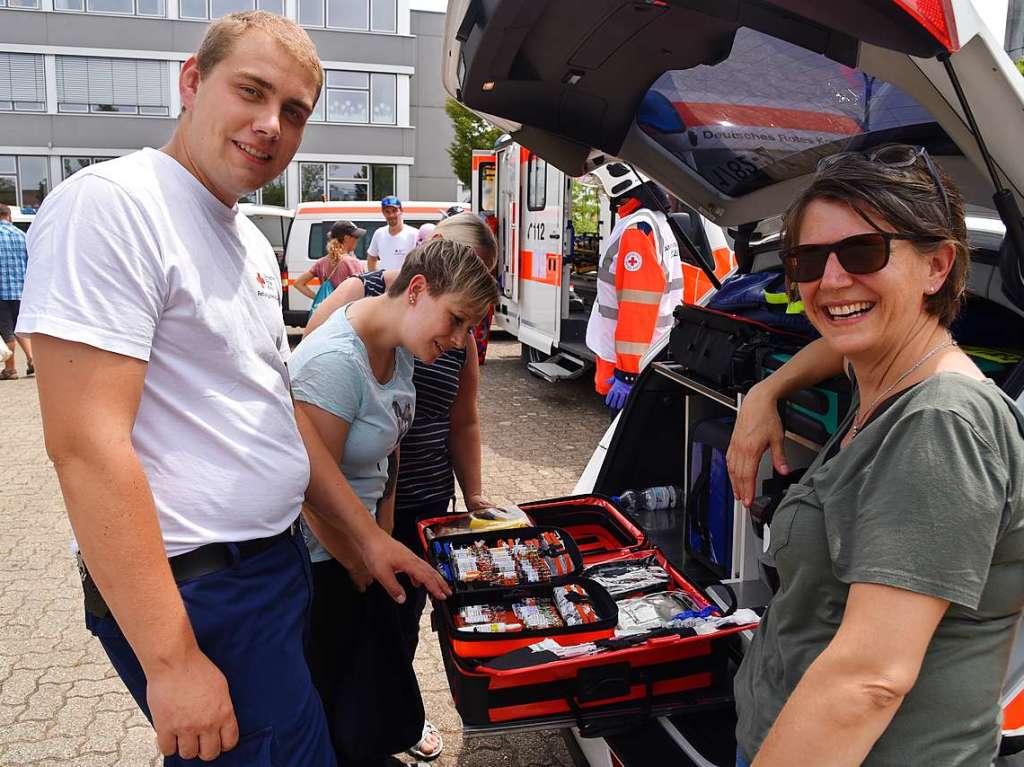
333	501
465	432
850	693
758	426
347	292
89	399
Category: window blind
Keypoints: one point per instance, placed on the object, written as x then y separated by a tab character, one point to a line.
21	77
132	82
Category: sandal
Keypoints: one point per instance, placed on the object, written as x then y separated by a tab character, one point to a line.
416	752
8	375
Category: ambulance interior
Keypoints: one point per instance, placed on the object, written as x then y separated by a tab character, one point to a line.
731	106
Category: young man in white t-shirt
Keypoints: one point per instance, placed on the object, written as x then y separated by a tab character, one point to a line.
390	244
155	311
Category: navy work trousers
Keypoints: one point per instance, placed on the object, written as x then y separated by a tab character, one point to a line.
251	620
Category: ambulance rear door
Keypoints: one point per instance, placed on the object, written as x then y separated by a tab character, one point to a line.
540	264
508	213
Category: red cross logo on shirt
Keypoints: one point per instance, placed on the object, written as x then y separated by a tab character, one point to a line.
633	261
260	280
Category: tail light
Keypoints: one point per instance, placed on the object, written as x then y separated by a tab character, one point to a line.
937	17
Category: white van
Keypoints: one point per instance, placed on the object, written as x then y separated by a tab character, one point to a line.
731	106
274	222
307	240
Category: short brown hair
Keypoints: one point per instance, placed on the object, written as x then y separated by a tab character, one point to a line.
5	212
222	34
449	267
908	199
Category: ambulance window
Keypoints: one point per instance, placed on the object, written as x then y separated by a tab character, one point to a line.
536	183
772	109
485	194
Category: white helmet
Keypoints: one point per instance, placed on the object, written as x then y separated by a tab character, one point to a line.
615	178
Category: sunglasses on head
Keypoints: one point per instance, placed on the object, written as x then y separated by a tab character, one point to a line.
897	156
859	254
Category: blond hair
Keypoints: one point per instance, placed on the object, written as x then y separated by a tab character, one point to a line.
449	267
469	229
222	35
335	250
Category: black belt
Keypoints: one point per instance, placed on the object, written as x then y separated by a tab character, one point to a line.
207	559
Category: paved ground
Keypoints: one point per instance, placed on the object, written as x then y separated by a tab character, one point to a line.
60	702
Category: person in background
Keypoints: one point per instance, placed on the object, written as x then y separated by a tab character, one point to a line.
443	444
339	264
389	244
354	378
639	284
899	552
424	233
13	263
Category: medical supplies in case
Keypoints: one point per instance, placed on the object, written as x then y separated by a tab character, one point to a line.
522	647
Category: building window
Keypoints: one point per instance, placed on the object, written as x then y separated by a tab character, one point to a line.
214	9
71	165
358	15
358	97
121	7
118	86
20	5
24	181
345	181
536	183
271	194
22	83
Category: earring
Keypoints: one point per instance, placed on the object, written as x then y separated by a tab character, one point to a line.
412	300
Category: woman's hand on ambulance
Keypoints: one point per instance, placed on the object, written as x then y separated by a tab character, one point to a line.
758	426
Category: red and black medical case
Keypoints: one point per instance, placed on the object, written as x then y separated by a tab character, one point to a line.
633	676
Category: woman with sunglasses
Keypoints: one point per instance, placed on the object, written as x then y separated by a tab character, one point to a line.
901	551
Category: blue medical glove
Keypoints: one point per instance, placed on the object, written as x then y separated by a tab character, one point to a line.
616	398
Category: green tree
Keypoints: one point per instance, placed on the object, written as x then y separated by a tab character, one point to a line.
1020	66
585	209
471	132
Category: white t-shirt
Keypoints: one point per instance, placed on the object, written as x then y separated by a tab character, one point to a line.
391	249
135	256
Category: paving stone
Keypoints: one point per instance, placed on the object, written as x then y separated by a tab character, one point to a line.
61	706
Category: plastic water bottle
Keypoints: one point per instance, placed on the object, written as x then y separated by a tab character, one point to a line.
652	499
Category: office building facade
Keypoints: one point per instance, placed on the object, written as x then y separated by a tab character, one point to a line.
85	80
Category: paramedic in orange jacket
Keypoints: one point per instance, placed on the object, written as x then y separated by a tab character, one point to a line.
639	283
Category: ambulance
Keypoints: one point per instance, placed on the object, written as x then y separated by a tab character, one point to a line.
547	271
731	106
307	241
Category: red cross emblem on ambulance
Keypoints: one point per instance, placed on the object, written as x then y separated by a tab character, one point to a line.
633	261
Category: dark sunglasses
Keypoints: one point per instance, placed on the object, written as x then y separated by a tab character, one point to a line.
897	156
859	254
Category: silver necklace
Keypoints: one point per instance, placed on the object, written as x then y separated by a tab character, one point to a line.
863	416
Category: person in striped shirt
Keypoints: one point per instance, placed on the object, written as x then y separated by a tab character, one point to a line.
443	443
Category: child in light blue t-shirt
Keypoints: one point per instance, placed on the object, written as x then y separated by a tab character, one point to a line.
331	370
352	380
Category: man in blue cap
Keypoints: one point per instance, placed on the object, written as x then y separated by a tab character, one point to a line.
390	244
